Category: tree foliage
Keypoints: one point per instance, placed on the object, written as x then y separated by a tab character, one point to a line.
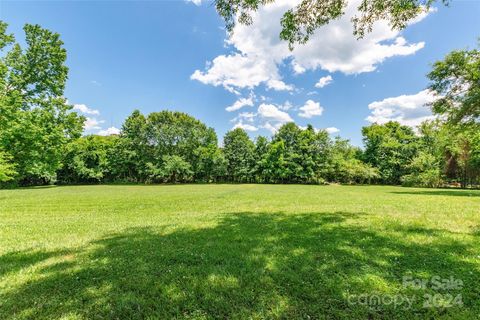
456	79
88	160
390	148
173	169
239	153
36	122
7	168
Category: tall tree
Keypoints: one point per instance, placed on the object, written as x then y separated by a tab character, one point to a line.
177	133
132	150
239	152
291	136
36	121
260	154
390	148
461	145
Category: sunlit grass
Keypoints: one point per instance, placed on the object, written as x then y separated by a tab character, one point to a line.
234	251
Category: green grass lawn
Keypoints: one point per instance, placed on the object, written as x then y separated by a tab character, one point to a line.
237	252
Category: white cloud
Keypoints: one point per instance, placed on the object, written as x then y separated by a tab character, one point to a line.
195	2
257	51
247	116
278	85
85	109
324	81
240	103
274	117
109	131
297	69
271	112
92	124
241	71
410	110
286	106
332	130
245	126
310	109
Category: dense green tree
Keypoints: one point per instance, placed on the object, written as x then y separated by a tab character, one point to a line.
390	148
424	171
260	154
316	150
456	80
274	165
87	160
291	159
211	165
177	133
461	145
447	154
300	22
295	155
345	165
172	169
239	152
132	150
36	122
145	140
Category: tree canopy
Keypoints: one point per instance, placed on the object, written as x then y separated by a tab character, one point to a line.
36	122
456	80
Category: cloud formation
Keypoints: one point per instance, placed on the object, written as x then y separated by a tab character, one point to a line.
324	81
257	51
271	112
310	109
92	124
409	110
240	103
108	132
245	126
85	109
332	130
195	2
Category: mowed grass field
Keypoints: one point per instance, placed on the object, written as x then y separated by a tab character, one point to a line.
238	252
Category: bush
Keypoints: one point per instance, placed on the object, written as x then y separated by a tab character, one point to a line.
430	179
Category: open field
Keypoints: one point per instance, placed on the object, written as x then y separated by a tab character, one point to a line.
236	252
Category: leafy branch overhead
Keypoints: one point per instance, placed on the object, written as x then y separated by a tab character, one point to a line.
301	21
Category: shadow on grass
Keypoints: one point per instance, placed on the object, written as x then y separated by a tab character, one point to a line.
454	193
248	266
12	262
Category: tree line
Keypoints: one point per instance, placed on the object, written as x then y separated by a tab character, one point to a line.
41	138
171	147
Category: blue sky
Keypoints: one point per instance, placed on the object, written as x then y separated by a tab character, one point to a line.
156	55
